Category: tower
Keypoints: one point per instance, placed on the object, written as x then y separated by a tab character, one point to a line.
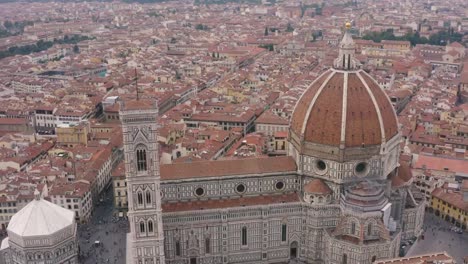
146	238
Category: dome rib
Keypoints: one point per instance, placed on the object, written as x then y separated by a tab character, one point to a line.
344	108
377	109
389	116
314	99
325	113
302	105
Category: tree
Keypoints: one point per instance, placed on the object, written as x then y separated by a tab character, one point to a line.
266	31
7	24
76	49
289	28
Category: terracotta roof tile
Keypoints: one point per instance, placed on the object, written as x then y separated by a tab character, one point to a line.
219	168
229	203
317	186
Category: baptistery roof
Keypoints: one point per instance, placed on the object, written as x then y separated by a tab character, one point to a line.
344	106
40	218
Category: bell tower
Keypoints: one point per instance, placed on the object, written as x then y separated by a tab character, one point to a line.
145	242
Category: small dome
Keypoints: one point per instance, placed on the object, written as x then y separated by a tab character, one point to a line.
344	108
317	186
40	218
403	177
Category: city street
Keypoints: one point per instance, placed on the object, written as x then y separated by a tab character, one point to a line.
438	237
108	231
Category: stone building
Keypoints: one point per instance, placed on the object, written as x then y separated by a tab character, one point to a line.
41	232
338	197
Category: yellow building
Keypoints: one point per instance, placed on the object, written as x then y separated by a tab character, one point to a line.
451	205
397	45
72	135
120	188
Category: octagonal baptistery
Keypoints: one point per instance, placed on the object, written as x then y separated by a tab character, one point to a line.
344	126
41	232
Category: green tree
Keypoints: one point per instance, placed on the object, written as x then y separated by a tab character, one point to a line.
289	28
76	49
266	31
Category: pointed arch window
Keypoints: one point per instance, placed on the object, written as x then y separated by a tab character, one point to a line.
148	197
140	198
207	245
141	159
177	248
142	227
345	259
284	230
150	226
244	236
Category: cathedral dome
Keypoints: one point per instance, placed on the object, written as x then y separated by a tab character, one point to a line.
344	107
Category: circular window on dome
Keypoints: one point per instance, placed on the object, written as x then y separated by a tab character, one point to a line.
320	167
361	169
240	188
199	191
279	185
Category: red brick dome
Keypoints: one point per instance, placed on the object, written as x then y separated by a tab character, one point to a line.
346	107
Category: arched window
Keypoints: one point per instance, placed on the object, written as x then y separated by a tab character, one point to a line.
369	229
345	259
141	159
177	248
148	197
284	229
373	259
150	226
207	245
353	228
142	227
140	198
244	236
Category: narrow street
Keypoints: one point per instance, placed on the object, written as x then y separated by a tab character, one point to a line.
102	240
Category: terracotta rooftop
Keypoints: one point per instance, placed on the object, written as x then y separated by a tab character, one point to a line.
139	105
317	186
229	203
438	257
451	197
220	168
404	175
441	164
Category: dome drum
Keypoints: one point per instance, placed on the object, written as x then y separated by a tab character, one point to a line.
342	172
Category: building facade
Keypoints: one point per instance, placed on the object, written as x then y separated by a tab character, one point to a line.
340	196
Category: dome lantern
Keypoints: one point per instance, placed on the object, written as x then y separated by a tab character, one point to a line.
346	57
